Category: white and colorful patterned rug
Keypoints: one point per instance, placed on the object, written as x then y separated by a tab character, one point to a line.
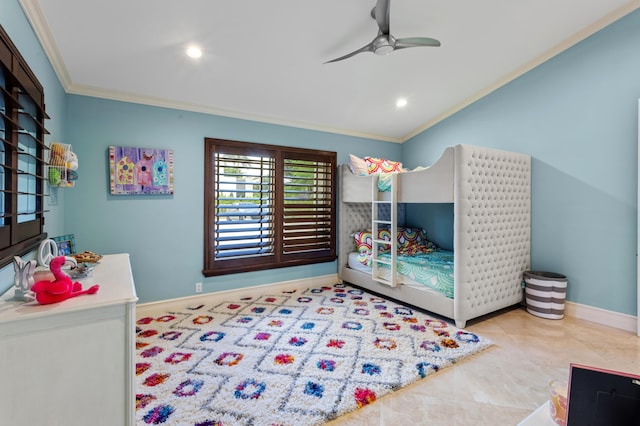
296	358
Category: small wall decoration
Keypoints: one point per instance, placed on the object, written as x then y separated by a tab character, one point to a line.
140	170
66	245
23	280
63	165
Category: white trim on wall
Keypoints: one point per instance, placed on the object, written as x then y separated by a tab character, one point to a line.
256	291
602	316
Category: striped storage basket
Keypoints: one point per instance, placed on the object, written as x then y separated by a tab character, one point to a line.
545	293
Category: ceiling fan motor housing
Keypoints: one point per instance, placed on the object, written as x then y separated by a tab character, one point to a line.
384	44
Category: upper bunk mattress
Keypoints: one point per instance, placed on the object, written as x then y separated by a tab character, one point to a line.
426	184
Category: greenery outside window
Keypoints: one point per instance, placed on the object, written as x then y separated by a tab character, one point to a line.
267	206
22	148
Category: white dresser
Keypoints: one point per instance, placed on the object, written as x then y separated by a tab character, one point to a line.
71	363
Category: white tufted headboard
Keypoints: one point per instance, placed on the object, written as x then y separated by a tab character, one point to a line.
491	228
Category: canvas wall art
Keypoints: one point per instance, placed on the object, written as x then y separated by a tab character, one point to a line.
140	170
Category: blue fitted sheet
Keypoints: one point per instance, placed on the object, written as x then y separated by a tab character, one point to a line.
433	270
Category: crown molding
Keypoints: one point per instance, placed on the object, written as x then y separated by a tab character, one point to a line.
43	32
38	22
96	92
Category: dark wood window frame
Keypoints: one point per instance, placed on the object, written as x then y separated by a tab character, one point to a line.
22	148
267	206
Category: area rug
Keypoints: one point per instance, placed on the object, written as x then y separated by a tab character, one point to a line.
295	358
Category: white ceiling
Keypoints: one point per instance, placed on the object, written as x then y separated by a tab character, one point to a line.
264	60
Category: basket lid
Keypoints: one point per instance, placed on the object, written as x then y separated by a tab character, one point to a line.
545	276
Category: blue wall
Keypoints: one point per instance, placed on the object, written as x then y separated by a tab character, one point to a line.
164	234
577	115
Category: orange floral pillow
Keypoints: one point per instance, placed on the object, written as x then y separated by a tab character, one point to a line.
380	165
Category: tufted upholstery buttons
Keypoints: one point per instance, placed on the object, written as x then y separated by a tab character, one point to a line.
492	227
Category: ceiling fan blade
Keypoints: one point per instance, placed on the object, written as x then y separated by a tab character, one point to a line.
403	43
381	14
367	48
384	43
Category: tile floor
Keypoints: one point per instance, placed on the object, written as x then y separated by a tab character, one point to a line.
505	383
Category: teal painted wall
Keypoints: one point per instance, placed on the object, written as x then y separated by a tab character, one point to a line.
15	23
164	234
577	115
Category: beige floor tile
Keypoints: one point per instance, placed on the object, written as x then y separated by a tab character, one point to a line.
505	383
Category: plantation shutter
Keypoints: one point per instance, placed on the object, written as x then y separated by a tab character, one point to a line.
22	148
244	192
308	207
267	206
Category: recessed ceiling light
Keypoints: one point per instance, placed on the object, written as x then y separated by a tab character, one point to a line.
194	52
401	103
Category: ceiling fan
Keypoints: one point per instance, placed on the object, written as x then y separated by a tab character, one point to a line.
384	43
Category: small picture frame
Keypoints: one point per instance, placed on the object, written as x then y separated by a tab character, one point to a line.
66	245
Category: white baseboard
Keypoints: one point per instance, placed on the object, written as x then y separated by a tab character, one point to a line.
254	291
602	316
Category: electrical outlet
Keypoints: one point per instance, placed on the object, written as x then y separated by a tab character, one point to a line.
198	287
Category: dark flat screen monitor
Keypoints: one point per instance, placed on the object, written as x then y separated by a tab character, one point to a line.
599	397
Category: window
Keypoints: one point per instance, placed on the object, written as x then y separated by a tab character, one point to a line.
21	154
267	206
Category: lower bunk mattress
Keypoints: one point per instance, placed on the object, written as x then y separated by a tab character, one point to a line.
432	270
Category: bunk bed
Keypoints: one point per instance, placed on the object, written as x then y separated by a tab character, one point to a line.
490	193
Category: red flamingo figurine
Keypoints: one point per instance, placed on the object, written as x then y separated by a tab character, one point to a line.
62	288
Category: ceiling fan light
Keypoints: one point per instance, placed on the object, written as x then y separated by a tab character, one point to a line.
383	50
384	45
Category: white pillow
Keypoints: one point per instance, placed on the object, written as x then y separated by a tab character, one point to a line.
357	165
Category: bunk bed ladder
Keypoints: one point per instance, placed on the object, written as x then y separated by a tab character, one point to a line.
389	220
